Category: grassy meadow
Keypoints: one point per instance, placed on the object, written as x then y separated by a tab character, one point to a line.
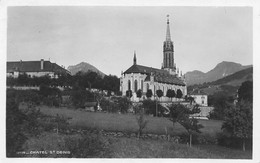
131	147
134	148
126	122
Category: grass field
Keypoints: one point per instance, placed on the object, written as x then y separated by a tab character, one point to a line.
126	122
124	147
134	148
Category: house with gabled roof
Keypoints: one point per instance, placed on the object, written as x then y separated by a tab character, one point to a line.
34	69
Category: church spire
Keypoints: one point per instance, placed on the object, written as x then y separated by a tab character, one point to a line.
168	34
134	58
168	50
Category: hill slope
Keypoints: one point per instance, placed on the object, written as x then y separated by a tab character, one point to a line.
237	78
221	70
229	84
84	67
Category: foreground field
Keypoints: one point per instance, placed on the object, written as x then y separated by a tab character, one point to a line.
134	148
126	122
131	147
113	147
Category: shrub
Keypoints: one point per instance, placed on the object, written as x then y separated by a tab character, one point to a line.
28	96
48	91
66	101
79	98
233	142
89	146
150	107
52	101
123	103
139	93
109	106
129	93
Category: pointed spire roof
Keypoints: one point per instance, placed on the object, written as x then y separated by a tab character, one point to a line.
134	58
168	34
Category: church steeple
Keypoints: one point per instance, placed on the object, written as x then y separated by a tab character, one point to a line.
134	58
168	34
168	51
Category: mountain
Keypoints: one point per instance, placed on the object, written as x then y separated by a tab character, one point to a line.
229	84
84	67
221	70
236	79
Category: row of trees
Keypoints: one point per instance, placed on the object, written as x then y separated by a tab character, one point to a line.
170	93
84	80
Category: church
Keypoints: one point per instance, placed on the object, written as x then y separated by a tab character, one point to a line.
143	77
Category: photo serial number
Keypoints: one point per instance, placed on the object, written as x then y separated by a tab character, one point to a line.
42	152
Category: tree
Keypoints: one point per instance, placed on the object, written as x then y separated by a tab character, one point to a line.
191	125
221	103
142	122
190	99
78	96
181	114
149	106
111	83
179	93
149	93
129	93
159	93
245	91
23	79
21	124
170	93
139	93
123	104
238	122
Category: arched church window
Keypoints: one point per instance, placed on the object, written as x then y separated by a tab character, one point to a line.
129	85
136	86
142	84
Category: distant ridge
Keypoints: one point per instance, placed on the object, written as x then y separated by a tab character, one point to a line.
237	78
84	67
221	70
229	84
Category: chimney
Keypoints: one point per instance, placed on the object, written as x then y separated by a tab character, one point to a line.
42	61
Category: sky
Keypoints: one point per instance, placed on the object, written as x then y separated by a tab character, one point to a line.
107	37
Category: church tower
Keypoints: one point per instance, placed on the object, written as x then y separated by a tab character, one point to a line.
168	51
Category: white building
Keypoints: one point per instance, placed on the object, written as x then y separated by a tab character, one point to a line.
143	77
34	69
200	97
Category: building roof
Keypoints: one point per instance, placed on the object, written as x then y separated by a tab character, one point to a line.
198	92
34	66
161	76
